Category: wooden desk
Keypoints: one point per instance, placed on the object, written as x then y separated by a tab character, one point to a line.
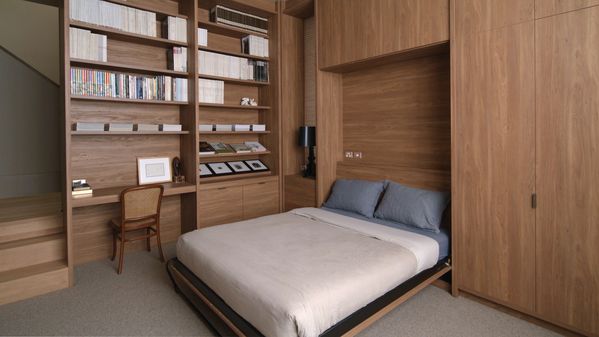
111	195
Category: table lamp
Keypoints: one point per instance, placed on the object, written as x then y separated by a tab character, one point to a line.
307	138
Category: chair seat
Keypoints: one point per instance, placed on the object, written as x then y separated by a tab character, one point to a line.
132	225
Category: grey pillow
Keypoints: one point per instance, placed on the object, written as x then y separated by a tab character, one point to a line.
359	196
411	206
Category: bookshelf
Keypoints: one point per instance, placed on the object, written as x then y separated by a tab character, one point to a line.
108	160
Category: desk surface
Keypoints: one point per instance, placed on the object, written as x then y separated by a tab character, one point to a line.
111	195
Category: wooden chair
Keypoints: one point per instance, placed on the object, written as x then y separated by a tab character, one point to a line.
140	211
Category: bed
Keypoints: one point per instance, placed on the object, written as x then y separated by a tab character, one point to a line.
309	272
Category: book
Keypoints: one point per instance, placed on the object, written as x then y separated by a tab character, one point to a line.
82	193
240	148
146	127
258	127
221	148
224	127
254	45
80	187
206	127
203	37
241	127
255	146
175	29
215	64
87	46
108	14
120	127
177	59
211	91
206	149
171	127
86	126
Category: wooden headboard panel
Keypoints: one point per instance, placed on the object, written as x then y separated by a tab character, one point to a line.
436	180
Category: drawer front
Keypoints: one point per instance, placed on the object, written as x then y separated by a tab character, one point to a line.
260	199
220	205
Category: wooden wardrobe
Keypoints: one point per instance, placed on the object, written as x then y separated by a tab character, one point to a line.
526	156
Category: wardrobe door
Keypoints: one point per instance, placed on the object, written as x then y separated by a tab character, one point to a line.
494	125
567	75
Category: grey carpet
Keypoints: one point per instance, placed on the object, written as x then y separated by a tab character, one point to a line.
141	302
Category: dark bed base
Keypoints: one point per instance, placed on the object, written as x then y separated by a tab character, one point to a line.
228	323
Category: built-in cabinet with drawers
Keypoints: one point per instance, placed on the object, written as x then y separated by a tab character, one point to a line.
526	129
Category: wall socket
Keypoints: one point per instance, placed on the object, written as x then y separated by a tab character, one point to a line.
353	155
358	155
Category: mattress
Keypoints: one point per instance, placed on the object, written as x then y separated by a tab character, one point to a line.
443	238
301	272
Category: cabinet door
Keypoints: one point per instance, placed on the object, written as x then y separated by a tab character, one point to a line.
494	126
545	8
260	199
567	63
220	205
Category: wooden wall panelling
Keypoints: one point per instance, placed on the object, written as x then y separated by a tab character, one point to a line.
292	92
403	120
310	71
264	8
92	236
220	205
144	56
474	16
495	167
226	116
299	8
567	107
299	192
354	30
261	199
234	93
544	8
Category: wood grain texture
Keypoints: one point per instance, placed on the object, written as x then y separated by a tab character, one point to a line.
299	192
403	120
33	281
299	8
220	205
29	252
495	148
567	73
92	235
352	30
260	199
475	16
544	8
310	71
292	92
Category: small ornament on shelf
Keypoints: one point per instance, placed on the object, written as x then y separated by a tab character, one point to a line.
178	170
247	101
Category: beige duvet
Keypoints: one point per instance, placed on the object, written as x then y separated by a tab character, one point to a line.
301	272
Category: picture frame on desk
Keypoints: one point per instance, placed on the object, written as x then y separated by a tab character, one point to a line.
154	170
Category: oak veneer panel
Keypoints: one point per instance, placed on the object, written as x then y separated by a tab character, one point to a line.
16	285
220	205
310	71
474	16
144	55
402	120
226	116
88	111
260	199
29	252
92	235
567	59
544	8
299	192
354	30
162	6
495	164
292	92
299	8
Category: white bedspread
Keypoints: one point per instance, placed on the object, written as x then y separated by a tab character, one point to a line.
301	272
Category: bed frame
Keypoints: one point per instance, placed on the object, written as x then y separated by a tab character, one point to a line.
228	323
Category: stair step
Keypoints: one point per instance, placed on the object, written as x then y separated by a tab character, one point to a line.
21	229
22	283
33	251
12	209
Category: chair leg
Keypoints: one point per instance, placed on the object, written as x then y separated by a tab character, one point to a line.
113	245
159	245
148	240
121	256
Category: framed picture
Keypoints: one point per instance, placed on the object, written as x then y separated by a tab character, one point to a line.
239	167
205	171
153	170
256	165
219	168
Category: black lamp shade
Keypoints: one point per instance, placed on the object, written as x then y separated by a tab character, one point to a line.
307	136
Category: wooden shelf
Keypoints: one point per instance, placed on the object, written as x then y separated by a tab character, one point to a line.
228	30
125	67
234	80
247	56
228	155
127	133
111	195
126	36
208	133
234	177
126	100
234	106
147	8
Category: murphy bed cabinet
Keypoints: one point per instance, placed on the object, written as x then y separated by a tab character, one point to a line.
526	121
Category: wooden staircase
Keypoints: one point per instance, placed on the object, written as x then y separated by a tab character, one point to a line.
32	247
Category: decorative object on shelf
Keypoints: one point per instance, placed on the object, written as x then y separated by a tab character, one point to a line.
206	149
307	138
258	127
89	126
205	171
220	168
80	188
153	170
146	127
239	166
240	148
178	171
220	148
256	165
255	146
248	101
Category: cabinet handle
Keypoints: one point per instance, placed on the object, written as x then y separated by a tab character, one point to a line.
533	201
262	183
221	188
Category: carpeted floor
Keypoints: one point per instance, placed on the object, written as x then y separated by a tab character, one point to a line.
141	302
